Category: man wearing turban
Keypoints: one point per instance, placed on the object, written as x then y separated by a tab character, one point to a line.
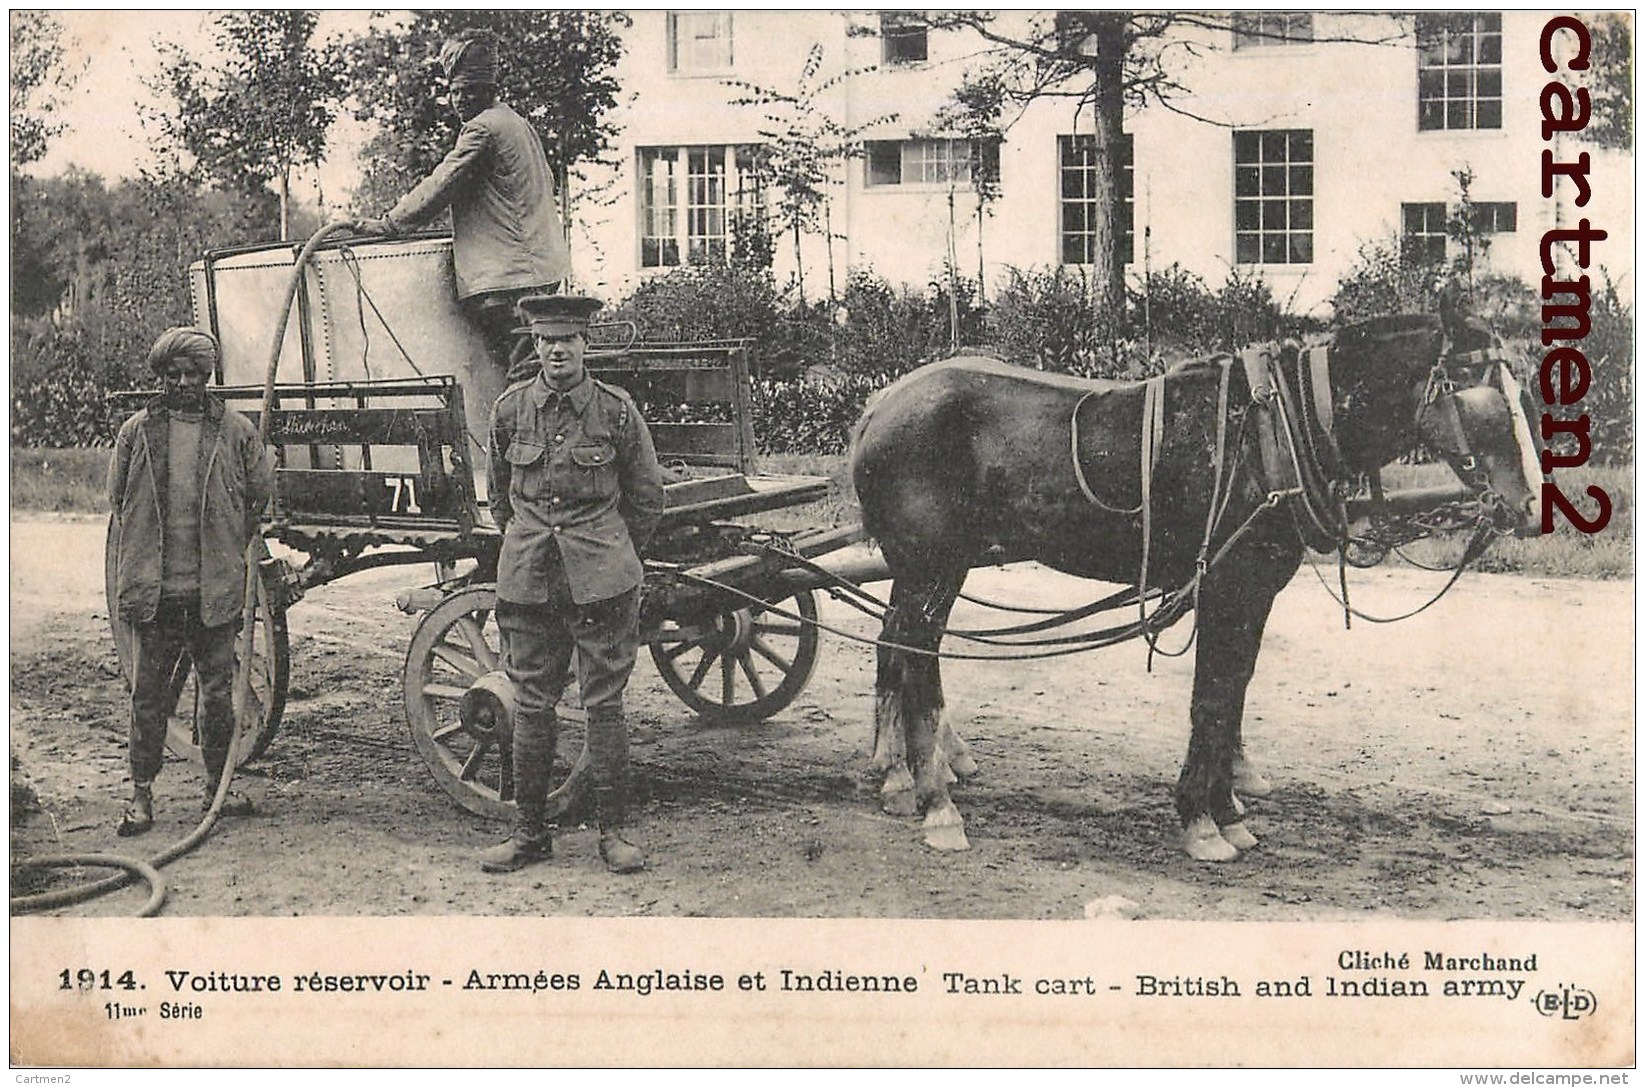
507	241
188	482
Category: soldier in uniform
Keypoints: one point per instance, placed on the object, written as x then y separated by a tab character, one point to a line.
576	490
507	241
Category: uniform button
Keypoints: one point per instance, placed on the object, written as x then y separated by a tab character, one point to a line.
556	500
559	438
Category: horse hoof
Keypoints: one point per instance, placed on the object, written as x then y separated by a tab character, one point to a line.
897	793
1204	842
963	765
945	829
1249	781
900	803
1238	836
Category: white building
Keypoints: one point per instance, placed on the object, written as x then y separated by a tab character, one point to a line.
1331	131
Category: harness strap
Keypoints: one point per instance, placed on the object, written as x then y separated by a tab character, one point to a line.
1153	437
1079	469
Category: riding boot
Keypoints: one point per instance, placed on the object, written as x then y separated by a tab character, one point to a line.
234	804
139	814
532	839
608	749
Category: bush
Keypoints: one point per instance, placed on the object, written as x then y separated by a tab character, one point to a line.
1044	318
812	415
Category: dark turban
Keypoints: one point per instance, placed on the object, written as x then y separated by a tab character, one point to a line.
470	58
194	346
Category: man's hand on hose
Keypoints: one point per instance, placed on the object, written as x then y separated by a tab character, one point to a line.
381	227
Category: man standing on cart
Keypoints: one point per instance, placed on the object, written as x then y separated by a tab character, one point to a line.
187	485
576	490
507	241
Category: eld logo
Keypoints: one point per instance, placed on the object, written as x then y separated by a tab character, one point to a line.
1567	1002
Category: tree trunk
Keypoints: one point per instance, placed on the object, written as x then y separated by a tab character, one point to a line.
1108	93
799	265
285	202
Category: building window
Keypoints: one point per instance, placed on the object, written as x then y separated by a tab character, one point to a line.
929	162
1496	217
699	42
1253	29
1459	71
902	38
1425	228
1422	233
1274	196
689	198
1077	166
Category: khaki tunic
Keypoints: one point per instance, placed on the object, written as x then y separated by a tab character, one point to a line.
574	482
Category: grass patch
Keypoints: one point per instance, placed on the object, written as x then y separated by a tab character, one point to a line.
60	481
1564	553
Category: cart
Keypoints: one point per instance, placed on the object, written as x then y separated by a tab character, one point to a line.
380	408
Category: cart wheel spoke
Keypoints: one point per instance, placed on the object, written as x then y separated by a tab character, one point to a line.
444	691
701	672
746	663
471	627
445	731
758	645
468	666
728	680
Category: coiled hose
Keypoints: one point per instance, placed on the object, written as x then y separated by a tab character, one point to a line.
149	871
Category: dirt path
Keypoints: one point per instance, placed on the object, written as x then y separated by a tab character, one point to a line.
1474	762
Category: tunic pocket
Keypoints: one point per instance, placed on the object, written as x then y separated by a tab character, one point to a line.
593	470
528	468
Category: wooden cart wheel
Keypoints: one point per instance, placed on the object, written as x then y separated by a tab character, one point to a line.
460	708
743	665
471	755
270	675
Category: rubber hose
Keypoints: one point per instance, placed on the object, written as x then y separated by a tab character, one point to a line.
149	870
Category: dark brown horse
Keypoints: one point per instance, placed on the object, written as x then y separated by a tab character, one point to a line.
970	460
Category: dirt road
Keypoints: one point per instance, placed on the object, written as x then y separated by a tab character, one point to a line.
1474	762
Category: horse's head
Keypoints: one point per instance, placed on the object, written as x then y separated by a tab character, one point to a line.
1444	384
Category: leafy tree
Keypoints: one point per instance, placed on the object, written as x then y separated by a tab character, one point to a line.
260	112
804	146
557	71
39	76
1610	78
1104	61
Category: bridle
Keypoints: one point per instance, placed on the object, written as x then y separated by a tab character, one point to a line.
1441	426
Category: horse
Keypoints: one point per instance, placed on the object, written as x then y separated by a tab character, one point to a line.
1185	480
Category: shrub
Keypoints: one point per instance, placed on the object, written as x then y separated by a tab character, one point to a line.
1044	318
809	416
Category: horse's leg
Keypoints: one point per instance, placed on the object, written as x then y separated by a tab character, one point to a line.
890	759
1233	609
908	706
907	691
929	757
958	753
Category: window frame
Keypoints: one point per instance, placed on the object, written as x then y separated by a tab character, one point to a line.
1416	245
1125	245
1279	198
709	186
915	152
1273	29
906	27
674	54
1464	89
